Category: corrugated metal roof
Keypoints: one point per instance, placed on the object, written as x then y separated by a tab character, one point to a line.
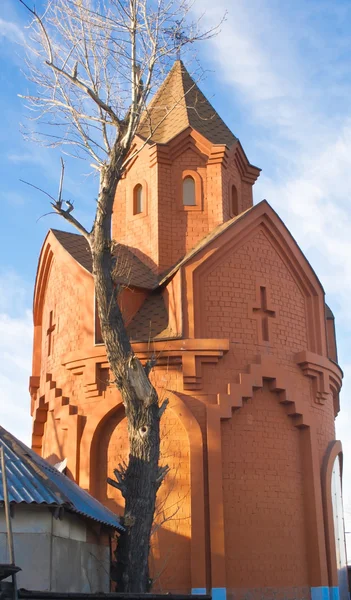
32	480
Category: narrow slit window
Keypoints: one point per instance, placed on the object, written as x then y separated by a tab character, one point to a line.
234	202
189	191
138	200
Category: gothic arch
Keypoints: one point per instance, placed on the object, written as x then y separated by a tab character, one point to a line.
88	444
334	451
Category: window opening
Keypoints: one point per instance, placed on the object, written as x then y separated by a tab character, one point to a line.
189	191
234	208
138	200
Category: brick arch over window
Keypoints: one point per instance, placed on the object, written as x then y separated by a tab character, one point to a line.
137	199
233	200
89	450
191	184
334	451
189	191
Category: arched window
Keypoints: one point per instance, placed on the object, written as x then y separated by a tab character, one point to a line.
234	202
138	200
189	198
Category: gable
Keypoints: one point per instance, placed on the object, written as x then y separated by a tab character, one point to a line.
251	297
63	300
252	252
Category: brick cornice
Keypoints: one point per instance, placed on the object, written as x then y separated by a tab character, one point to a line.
190	353
249	173
326	376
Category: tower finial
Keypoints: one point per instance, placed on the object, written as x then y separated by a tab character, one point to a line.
179	37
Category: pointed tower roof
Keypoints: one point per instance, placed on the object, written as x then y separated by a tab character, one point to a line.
179	104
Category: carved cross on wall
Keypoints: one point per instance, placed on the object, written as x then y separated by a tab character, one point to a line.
263	311
50	331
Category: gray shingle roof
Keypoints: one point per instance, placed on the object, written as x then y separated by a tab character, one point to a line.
151	321
32	480
178	104
129	268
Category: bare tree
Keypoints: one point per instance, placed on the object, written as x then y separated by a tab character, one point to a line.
94	64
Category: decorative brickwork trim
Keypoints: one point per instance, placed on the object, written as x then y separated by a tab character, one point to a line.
263	311
131	185
190	353
199	200
266	369
66	418
326	377
248	172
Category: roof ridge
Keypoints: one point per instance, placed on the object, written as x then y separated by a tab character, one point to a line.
54	230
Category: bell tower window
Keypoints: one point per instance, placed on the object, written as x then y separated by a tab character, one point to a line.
234	201
138	200
189	196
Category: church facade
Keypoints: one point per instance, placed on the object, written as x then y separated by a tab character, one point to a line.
219	291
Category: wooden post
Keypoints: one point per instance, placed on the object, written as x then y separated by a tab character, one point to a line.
8	519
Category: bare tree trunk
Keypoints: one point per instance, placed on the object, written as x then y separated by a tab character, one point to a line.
100	63
140	480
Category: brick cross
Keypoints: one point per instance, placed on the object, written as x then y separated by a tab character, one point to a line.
50	331
264	313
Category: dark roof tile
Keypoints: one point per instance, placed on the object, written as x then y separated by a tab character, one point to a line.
179	104
130	270
151	321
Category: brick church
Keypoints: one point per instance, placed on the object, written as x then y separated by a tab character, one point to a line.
219	290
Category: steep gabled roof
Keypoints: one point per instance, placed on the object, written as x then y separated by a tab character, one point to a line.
179	104
129	268
32	480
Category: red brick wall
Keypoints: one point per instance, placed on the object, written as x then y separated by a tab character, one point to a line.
167	232
263	496
262	463
63	297
138	231
231	176
232	285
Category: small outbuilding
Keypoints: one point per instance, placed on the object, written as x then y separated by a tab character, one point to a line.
62	535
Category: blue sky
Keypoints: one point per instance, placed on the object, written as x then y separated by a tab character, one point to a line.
279	74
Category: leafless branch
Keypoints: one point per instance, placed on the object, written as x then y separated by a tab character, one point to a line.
94	65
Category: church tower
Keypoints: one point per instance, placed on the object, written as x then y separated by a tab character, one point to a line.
190	177
217	288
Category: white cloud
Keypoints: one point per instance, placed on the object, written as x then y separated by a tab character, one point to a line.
10	31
